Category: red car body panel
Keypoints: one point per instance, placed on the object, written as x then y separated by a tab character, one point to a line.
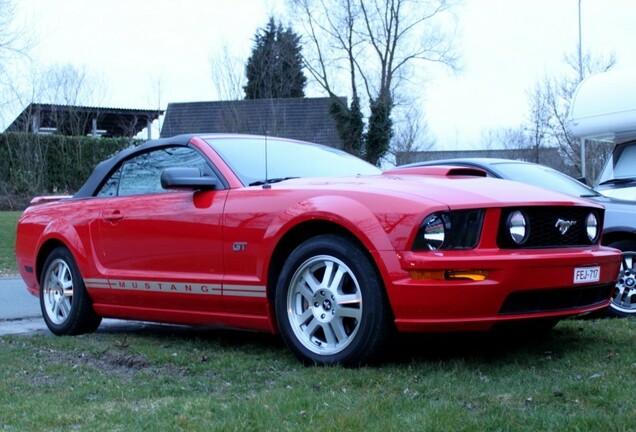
204	258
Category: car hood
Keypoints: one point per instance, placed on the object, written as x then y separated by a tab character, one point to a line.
625	192
455	192
620	214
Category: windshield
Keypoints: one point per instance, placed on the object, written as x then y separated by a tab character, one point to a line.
544	177
286	159
622	164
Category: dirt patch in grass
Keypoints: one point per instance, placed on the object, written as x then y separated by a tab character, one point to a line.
115	362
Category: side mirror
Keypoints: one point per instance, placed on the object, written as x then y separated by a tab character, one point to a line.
187	178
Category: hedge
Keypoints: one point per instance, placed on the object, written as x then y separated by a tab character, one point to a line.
32	165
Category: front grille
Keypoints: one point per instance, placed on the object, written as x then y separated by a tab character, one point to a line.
543	230
524	302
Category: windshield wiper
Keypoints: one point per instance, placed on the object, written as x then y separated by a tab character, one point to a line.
272	180
618	181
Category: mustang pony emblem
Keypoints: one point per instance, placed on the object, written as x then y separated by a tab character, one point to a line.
564	225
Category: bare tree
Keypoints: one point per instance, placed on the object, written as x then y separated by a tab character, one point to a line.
551	98
227	73
538	123
14	40
15	44
506	138
412	136
155	100
66	84
374	43
228	77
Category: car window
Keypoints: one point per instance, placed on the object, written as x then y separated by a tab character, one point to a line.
622	164
141	174
544	177
253	159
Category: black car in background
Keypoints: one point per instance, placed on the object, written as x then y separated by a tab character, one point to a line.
619	229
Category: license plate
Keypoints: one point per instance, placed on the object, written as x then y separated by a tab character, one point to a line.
587	274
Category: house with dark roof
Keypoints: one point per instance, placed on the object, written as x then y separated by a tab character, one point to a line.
83	120
305	119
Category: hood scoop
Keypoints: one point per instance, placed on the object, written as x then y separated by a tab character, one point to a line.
439	171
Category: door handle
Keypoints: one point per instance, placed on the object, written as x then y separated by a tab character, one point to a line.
113	216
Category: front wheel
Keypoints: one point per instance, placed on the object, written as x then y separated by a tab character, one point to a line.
330	303
66	307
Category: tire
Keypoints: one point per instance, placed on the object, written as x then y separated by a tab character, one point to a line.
66	307
623	302
330	303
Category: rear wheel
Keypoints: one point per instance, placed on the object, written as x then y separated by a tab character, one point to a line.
66	307
623	302
330	303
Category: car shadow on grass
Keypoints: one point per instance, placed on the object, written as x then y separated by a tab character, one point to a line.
501	345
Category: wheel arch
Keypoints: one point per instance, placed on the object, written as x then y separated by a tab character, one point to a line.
60	234
616	236
301	233
45	250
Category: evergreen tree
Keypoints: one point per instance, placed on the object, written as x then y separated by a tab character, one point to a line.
350	125
274	69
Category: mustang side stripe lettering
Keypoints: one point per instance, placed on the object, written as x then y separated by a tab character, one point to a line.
257	291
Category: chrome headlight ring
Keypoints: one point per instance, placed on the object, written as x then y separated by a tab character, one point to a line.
434	230
591	227
518	227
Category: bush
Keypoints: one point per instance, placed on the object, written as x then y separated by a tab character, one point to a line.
32	165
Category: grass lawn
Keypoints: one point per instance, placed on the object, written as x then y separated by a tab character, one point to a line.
8	222
582	377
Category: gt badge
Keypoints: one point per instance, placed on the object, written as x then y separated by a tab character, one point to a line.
239	246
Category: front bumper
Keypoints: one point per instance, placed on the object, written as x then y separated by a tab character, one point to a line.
519	285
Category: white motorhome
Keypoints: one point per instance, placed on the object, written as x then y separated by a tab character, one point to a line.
604	109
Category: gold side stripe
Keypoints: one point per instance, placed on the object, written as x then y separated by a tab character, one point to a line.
256	291
94	285
260	288
244	294
97	283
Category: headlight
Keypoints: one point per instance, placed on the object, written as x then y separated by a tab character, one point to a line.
518	227
433	231
458	229
591	227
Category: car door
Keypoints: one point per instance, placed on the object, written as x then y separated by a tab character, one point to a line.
160	248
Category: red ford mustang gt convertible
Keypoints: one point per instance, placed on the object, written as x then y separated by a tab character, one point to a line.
275	235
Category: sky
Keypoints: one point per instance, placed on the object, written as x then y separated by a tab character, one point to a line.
150	53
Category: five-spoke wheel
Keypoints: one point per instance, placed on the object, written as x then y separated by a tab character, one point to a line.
66	307
330	303
324	305
57	291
